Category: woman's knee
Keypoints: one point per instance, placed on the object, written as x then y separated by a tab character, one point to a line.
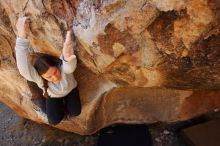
54	110
75	112
54	120
73	103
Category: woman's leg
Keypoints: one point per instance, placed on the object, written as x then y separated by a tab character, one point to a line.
73	103
54	110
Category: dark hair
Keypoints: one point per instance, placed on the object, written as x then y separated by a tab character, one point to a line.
42	62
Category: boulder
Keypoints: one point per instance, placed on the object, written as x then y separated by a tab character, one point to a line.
138	61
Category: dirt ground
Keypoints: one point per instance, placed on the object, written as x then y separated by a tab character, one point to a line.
15	131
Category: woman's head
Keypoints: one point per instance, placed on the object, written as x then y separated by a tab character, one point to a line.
47	67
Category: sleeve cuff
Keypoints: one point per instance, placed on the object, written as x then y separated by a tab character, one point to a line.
64	61
22	42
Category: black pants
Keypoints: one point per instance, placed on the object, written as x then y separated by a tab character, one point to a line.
56	107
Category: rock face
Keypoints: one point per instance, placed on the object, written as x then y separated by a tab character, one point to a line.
139	61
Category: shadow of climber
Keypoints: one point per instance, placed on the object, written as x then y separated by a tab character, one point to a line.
37	96
125	135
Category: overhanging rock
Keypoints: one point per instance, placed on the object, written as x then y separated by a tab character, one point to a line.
139	61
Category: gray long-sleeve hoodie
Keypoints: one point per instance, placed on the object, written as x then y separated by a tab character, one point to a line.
55	89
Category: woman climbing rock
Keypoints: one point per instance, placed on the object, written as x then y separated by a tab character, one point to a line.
53	75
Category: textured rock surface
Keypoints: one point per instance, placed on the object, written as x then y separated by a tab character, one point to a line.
140	61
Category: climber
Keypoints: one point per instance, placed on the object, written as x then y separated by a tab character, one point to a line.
53	75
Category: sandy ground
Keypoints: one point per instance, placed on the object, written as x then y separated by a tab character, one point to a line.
15	131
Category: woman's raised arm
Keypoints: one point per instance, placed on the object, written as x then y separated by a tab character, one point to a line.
68	56
22	52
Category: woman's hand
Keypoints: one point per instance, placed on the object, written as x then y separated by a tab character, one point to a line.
68	47
23	27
